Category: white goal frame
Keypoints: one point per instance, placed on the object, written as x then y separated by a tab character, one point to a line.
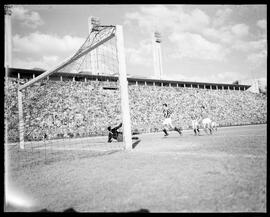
125	111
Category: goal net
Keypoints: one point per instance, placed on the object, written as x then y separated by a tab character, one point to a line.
68	102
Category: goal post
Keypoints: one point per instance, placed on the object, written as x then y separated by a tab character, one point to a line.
21	123
125	112
92	42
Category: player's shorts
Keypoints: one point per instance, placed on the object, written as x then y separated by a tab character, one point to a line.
206	122
213	124
195	124
167	121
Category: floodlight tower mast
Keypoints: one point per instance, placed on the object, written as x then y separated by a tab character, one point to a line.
93	23
157	55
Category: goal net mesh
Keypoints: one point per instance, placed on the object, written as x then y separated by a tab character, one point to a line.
72	113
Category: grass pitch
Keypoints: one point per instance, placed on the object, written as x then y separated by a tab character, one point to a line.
223	172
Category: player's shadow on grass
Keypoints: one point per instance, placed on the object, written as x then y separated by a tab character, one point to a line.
73	210
134	144
172	137
66	210
140	211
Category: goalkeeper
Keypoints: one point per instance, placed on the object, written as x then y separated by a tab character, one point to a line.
115	134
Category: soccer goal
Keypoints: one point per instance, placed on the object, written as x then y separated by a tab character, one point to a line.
102	53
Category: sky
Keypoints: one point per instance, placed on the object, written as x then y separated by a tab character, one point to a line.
203	43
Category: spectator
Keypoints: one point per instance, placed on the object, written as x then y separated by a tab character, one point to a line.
59	108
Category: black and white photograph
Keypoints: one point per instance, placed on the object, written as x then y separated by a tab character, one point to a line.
135	108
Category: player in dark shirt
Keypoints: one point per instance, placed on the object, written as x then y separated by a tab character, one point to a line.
168	121
115	134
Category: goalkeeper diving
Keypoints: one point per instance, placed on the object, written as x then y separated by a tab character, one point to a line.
116	135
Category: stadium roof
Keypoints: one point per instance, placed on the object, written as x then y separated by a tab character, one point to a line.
28	73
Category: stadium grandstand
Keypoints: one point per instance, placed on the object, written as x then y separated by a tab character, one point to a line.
82	95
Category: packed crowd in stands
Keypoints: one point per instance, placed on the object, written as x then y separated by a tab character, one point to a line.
66	109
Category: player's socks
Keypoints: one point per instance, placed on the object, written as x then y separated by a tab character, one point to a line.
178	130
195	132
135	137
165	131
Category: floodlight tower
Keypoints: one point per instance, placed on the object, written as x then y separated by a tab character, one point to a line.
157	55
93	23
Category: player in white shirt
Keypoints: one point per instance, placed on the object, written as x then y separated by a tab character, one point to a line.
207	124
195	125
214	125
